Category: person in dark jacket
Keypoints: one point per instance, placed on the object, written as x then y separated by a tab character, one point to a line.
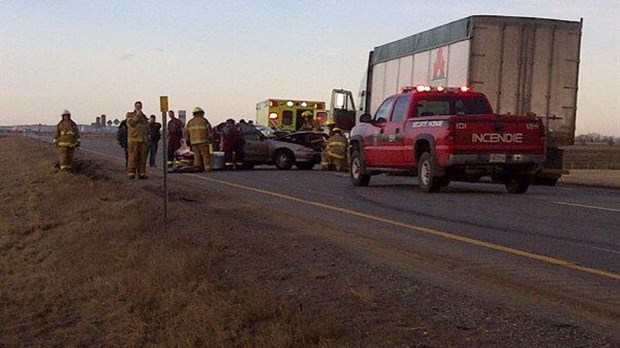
121	138
154	136
232	142
175	134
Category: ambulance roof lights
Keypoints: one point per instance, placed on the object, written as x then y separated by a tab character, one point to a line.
290	103
273	115
304	104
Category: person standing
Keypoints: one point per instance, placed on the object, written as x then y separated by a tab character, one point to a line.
66	139
137	142
121	138
154	136
232	142
199	136
309	123
175	134
335	153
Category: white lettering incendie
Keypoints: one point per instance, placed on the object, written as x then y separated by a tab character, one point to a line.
497	138
418	124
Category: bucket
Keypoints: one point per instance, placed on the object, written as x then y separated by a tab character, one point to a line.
217	162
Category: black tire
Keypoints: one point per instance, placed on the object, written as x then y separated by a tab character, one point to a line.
305	165
518	184
283	159
427	174
357	170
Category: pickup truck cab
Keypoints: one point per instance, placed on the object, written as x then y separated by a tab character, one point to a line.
446	134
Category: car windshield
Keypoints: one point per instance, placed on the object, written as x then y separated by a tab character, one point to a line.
268	132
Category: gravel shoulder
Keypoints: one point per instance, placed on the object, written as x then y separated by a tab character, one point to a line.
85	260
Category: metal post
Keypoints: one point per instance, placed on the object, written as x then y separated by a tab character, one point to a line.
165	167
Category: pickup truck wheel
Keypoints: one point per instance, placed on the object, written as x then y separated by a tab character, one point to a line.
357	168
283	159
427	177
518	184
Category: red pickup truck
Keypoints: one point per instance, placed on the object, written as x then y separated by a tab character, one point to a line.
446	134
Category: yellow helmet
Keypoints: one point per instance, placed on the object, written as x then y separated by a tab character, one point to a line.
337	130
197	110
330	121
307	114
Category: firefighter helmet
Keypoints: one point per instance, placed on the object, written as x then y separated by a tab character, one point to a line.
307	114
337	130
65	112
198	110
330	121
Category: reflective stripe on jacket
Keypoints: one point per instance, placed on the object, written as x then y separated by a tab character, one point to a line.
337	146
198	130
67	134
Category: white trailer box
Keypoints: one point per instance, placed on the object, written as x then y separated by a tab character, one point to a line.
523	65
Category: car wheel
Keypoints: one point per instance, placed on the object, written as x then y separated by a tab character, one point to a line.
305	165
283	159
427	174
357	169
518	184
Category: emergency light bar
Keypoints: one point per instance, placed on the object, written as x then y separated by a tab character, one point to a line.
425	88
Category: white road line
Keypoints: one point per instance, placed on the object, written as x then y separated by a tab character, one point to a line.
587	206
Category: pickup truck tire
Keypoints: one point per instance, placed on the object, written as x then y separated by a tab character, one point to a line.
357	168
518	184
427	174
283	159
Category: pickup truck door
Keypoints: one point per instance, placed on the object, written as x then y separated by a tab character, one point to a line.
375	139
394	149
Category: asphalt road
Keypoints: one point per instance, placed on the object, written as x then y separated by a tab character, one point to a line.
558	244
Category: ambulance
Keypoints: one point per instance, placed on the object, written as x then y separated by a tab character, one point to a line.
285	114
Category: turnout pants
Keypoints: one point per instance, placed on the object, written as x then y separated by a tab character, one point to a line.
202	156
65	155
137	158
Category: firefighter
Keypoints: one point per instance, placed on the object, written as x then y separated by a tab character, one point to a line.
309	123
175	134
335	153
66	139
232	142
331	124
137	142
199	136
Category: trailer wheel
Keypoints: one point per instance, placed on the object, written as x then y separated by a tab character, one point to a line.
357	170
427	174
518	184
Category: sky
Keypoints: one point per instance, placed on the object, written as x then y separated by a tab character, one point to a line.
98	57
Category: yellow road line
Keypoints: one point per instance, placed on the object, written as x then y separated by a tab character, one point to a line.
443	234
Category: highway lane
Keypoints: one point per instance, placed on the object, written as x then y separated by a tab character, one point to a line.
576	224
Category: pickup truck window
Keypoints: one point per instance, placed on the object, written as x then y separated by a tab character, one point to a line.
384	110
451	105
400	109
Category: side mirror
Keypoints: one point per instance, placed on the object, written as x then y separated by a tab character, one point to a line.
365	118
